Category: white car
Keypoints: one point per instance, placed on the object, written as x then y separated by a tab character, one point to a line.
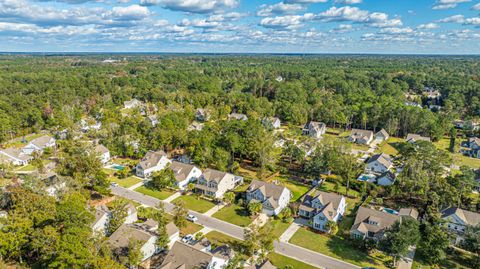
192	218
113	184
187	238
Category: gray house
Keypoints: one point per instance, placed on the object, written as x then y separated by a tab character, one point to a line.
321	207
364	137
274	198
314	129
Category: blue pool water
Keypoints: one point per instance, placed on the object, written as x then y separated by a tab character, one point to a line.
118	167
390	211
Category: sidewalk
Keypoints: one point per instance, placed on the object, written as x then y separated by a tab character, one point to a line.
214	210
289	232
407	262
139	184
172	197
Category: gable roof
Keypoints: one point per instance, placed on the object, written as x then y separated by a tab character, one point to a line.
324	197
359	133
41	141
16	153
364	215
417	137
315	125
408	212
215	175
122	236
152	158
181	170
171	228
382	158
185	256
469	217
100	212
382	133
99	148
269	190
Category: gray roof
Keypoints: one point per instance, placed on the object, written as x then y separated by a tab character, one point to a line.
171	228
238	116
100	211
382	133
16	153
382	158
365	215
122	236
417	137
269	190
324	197
215	175
152	158
317	126
181	170
185	256
469	217
359	133
41	141
265	265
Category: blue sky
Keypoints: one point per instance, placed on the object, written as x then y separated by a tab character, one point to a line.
216	26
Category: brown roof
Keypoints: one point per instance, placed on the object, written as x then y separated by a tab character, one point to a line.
171	228
152	158
408	212
382	158
365	217
267	189
122	236
185	256
215	175
324	197
469	217
181	170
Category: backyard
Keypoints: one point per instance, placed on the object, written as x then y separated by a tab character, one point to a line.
195	203
338	248
390	146
234	214
162	195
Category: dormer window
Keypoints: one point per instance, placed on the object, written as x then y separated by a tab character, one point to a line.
373	222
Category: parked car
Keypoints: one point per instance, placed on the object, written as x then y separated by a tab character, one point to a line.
187	238
113	184
192	218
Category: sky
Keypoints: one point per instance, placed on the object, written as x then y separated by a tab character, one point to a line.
241	26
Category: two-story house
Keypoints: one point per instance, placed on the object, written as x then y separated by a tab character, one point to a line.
39	144
364	137
152	162
185	256
314	129
184	174
271	122
146	236
216	183
274	198
371	223
103	215
321	207
379	163
458	220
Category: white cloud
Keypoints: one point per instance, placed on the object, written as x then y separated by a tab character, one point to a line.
455	19
476	7
305	1
133	12
472	21
396	31
279	9
428	26
448	4
286	22
354	14
193	6
342	28
348	2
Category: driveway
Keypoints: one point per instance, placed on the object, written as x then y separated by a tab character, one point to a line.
287	249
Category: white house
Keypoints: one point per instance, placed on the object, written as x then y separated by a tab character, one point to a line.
102	217
103	153
39	144
322	207
184	174
152	162
381	136
314	129
380	163
274	198
15	156
173	233
359	136
458	220
120	239
153	120
216	183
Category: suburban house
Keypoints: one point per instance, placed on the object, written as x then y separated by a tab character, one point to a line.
134	103
202	114
15	156
473	149
39	144
271	122
386	179
103	153
412	138
457	221
184	174
102	216
185	256
379	163
172	231
370	223
314	129
364	137
237	116
321	207
274	198
381	136
152	162
216	183
54	186
143	234
86	126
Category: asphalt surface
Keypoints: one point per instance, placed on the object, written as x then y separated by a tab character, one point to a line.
284	248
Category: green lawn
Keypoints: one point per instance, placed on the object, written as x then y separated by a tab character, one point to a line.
4	181
19	143
279	227
191	228
27	168
390	146
281	261
195	203
162	195
125	182
234	214
338	248
458	158
329	187
298	189
219	239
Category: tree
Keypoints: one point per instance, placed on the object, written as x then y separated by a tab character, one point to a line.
162	179
433	244
254	207
258	241
135	255
190	187
398	238
229	198
453	136
180	213
118	214
332	227
472	243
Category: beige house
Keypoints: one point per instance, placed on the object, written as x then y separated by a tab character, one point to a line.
370	223
216	183
184	173
185	256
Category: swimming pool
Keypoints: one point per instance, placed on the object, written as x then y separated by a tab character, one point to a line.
366	177
118	167
390	211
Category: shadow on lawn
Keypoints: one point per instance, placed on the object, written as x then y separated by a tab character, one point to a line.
346	250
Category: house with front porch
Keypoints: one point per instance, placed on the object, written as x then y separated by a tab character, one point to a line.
215	184
274	198
152	162
379	163
321	207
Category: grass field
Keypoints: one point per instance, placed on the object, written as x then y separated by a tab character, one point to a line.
330	187
234	214
195	203
338	248
298	189
27	168
191	228
281	261
279	227
219	239
389	146
125	182
458	158
162	195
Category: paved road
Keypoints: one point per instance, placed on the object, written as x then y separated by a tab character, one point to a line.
284	248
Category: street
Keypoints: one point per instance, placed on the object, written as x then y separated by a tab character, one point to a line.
284	248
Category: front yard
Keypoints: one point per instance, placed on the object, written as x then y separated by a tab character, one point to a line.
279	227
125	182
234	214
219	239
281	261
162	195
191	228
195	203
338	248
